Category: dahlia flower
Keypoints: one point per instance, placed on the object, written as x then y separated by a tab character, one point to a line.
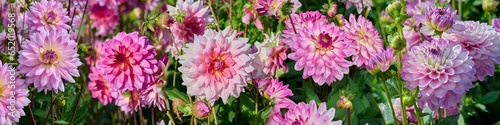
270	55
47	14
12	87
47	58
216	65
192	19
310	114
128	101
412	36
201	109
153	95
365	39
483	44
266	7
321	50
359	4
381	62
95	55
249	14
438	20
274	90
149	5
441	69
496	24
104	19
300	22
3	42
130	59
99	85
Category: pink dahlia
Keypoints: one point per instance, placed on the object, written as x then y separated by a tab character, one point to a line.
104	19
48	14
192	17
47	58
496	24
274	90
128	101
359	4
149	5
438	20
321	50
381	62
99	85
365	39
95	53
130	59
310	114
270	55
216	65
248	14
483	44
412	36
12	87
153	95
441	69
409	111
3	42
300	22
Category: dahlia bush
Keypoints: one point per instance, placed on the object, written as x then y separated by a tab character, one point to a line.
272	62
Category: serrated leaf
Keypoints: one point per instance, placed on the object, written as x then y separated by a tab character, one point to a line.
174	94
490	97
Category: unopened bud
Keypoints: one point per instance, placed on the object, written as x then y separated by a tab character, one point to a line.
339	20
201	109
135	14
490	5
61	102
344	103
408	101
398	43
394	9
332	11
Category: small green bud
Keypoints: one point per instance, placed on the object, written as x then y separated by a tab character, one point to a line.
414	94
490	5
344	103
61	101
135	14
394	9
12	1
408	101
286	8
398	43
339	20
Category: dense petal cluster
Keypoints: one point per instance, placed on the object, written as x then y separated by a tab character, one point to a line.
130	59
99	85
13	95
105	19
365	39
154	96
381	62
192	19
300	21
48	57
47	14
270	55
321	50
310	114
274	90
216	65
359	4
438	20
442	70
483	44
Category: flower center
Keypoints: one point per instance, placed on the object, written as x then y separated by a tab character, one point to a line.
218	65
49	57
325	40
435	52
50	17
121	58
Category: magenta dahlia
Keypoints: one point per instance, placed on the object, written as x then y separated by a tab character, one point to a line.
483	44
300	22
99	85
442	70
104	19
310	114
365	39
48	57
216	65
359	4
321	50
129	58
12	87
274	90
48	14
192	17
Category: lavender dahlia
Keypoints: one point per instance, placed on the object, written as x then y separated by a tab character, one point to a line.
365	39
12	87
47	14
438	20
310	114
483	44
359	4
47	58
441	69
496	24
381	62
216	65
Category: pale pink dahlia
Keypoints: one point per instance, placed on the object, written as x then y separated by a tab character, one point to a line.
48	14
483	44
128	101
321	50
99	85
216	65
310	114
47	58
13	95
441	69
496	24
192	17
270	55
300	22
153	95
359	4
130	59
365	39
381	62
104	19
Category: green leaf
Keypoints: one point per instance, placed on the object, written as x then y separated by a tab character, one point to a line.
231	116
490	97
174	94
247	108
186	110
40	113
61	122
264	114
309	92
387	114
450	120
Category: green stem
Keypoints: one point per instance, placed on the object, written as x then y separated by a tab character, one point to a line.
400	86
453	3
460	8
171	118
388	98
439	115
349	116
215	117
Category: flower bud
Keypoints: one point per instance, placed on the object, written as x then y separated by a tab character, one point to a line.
339	20
394	9
385	18
398	43
165	21
201	109
135	14
408	101
286	8
489	5
61	101
332	11
344	103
